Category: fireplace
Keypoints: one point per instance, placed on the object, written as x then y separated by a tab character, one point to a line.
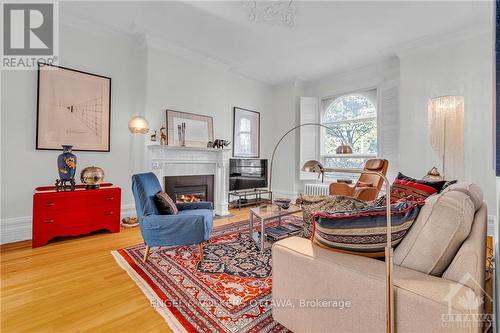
190	188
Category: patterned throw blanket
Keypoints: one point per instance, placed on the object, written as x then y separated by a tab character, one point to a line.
312	204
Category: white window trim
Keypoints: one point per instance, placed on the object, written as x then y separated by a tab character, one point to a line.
323	155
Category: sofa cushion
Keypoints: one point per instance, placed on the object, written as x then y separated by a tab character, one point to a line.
414	189
364	231
165	204
437	234
312	204
471	189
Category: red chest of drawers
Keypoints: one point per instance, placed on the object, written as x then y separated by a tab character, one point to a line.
74	213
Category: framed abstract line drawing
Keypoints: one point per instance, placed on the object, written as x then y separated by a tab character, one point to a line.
246	133
74	108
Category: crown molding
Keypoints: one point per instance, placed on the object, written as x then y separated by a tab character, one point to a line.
155	42
433	41
146	38
85	22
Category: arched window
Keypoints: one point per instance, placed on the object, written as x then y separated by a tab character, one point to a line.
352	119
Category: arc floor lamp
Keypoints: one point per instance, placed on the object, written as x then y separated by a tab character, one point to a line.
317	167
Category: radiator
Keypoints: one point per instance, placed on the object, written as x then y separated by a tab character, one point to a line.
317	189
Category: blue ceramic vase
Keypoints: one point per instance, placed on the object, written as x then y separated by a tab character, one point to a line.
66	164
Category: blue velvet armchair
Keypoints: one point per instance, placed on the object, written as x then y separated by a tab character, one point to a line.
192	225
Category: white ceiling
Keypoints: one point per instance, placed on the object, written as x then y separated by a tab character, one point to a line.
328	37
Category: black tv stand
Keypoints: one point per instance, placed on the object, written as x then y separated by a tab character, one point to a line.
248	198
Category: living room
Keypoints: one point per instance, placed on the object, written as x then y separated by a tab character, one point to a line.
211	90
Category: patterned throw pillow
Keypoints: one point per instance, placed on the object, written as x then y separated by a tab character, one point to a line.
165	204
364	231
313	204
405	187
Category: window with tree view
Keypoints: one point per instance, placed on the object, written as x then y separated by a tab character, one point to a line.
352	120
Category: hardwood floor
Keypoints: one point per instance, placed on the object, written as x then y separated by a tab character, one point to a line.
75	285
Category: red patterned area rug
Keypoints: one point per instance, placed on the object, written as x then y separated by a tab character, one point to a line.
229	292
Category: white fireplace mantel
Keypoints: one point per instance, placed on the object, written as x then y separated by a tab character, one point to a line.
185	161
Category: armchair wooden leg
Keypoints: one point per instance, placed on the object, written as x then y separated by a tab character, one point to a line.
146	253
200	248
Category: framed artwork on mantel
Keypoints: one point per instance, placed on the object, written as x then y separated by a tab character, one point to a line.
189	129
74	108
246	133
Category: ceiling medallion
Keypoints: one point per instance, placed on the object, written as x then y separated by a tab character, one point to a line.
271	11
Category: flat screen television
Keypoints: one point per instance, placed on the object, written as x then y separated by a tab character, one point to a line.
247	173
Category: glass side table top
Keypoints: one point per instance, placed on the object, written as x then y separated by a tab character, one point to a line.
272	211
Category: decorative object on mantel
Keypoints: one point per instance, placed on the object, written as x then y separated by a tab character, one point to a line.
66	166
218	143
246	133
433	174
188	129
446	130
138	125
181	133
92	177
154	137
163	135
73	106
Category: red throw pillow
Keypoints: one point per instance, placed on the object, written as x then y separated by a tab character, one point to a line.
165	204
413	189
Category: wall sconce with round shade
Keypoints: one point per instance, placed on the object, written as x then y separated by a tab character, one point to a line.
446	131
138	125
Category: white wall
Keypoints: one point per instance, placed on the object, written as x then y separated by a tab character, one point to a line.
462	66
23	167
286	99
205	88
145	80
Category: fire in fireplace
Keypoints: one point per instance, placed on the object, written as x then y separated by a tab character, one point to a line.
191	194
190	188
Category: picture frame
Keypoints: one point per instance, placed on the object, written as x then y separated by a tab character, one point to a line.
199	129
246	133
73	108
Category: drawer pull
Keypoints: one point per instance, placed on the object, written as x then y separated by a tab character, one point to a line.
110	198
109	213
48	221
50	204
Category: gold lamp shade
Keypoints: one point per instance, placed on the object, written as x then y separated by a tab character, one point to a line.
343	149
316	167
313	166
138	125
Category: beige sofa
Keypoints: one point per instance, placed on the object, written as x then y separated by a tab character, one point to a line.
438	275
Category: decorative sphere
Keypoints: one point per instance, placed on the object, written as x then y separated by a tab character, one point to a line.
138	124
92	176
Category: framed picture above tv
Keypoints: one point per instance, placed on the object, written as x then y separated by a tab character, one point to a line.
74	108
246	133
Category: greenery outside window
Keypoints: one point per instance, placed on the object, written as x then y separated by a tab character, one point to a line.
352	119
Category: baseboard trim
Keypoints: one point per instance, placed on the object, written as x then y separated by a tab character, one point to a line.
17	229
287	194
